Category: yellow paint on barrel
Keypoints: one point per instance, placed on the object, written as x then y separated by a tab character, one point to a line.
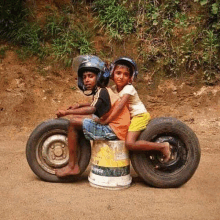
108	156
110	165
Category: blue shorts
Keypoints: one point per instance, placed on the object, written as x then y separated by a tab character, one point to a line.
96	131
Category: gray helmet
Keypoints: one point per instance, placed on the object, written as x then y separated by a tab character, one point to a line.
93	64
128	62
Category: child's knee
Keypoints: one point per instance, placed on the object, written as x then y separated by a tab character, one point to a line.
73	121
129	145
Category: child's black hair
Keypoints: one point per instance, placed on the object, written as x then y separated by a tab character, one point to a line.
93	70
126	65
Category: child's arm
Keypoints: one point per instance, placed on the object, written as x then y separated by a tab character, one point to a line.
119	105
87	110
79	105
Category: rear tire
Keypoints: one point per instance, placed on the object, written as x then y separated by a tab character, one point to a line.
185	154
47	150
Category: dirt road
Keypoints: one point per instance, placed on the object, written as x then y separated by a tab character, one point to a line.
24	196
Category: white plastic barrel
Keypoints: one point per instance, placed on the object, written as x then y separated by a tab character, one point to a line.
110	167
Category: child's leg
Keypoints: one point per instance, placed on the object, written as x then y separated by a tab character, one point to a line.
141	145
72	168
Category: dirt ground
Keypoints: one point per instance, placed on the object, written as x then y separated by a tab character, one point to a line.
31	93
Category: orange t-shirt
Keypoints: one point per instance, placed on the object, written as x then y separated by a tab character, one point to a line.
121	123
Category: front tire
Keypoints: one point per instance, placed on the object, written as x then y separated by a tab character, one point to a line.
47	150
185	154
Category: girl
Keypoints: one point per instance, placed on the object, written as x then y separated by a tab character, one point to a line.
123	71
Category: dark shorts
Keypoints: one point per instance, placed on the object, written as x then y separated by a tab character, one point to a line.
95	131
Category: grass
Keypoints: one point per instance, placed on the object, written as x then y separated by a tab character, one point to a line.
58	37
174	43
114	17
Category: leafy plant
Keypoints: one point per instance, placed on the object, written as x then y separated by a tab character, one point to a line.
211	42
174	43
11	13
67	44
114	17
210	56
160	26
57	37
210	47
29	36
55	24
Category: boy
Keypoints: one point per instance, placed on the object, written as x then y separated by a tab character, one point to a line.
92	80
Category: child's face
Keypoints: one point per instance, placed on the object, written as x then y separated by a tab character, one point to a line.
121	76
89	80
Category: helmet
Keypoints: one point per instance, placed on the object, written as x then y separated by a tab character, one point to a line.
93	64
128	62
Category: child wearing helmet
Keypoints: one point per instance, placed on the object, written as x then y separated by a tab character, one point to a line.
123	71
92	80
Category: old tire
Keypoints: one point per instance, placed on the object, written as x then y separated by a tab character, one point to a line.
47	150
185	155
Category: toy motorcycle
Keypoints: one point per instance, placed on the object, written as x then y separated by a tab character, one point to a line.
47	150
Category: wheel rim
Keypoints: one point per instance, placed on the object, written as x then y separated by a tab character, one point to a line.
178	159
52	151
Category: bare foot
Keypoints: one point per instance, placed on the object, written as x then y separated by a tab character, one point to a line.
67	171
166	152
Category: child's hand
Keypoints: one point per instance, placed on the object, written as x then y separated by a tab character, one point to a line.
73	107
60	113
103	122
96	119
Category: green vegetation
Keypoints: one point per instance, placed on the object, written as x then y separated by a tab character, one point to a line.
169	38
58	38
114	17
180	38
